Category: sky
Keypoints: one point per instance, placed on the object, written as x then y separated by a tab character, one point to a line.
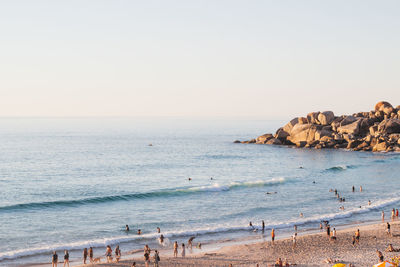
205	58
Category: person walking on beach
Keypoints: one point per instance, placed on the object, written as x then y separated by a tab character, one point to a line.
85	254
117	253
333	237
54	259
109	254
294	240
183	250
156	258
175	249
388	228
273	235
328	231
393	213
66	258
91	255
146	259
357	234
383	216
353	240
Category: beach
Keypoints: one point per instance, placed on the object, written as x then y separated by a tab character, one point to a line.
312	249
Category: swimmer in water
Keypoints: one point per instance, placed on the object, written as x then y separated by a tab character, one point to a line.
189	179
127	228
369	202
211	178
353	189
301	215
313	182
158	230
360	188
139	232
161	239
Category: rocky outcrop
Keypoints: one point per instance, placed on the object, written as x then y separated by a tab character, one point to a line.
377	130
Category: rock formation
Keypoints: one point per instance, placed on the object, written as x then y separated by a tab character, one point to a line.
377	130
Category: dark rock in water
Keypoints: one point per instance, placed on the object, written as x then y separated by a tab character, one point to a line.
377	130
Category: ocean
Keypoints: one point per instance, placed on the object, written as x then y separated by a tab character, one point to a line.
72	183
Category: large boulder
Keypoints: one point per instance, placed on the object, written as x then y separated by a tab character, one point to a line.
384	106
382	146
313	117
351	128
274	141
264	138
321	133
347	120
303	132
389	126
326	117
281	134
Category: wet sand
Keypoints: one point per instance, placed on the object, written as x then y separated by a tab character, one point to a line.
311	250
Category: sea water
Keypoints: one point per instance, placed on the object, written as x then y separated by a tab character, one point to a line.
74	183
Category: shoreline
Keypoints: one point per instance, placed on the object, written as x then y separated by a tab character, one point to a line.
313	247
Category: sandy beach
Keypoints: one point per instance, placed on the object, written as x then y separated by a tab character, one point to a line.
311	250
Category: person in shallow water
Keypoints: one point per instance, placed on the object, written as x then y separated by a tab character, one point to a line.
66	258
127	228
175	249
139	232
161	239
109	254
91	254
54	259
183	250
85	254
117	253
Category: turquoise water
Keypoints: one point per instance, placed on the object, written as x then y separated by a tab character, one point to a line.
75	183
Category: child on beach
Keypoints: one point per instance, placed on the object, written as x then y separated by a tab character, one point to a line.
357	234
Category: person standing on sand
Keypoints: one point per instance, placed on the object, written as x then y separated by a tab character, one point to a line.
175	249
393	214
353	240
146	259
85	254
388	228
328	230
183	250
156	258
294	240
357	236
383	216
66	258
91	255
397	213
54	259
272	235
147	249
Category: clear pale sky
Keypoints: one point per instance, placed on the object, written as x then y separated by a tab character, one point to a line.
272	59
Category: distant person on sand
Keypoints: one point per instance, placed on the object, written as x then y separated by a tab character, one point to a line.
333	237
380	255
183	250
273	235
388	228
393	214
156	258
85	254
294	240
66	258
397	213
328	231
357	234
109	254
117	253
91	254
175	249
353	240
54	259
383	216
